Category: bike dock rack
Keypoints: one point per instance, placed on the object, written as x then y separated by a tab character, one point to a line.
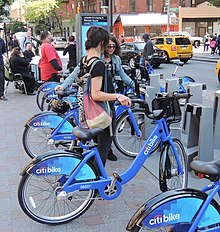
195	89
171	85
197	132
217	120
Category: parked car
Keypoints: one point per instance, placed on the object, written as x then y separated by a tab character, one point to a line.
59	42
217	70
175	47
132	51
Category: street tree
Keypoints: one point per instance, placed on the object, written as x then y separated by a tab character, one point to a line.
37	11
3	11
15	26
215	3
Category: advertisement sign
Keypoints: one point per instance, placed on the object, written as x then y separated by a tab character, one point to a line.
84	22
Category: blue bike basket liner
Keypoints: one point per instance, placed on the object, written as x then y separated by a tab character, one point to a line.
170	107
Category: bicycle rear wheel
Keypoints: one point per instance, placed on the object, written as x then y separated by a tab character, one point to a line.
37	195
169	177
125	139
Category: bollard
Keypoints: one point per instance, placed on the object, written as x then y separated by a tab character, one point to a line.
155	81
198	132
171	85
217	120
195	89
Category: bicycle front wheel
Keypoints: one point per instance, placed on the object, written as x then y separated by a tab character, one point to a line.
169	176
37	195
125	139
168	212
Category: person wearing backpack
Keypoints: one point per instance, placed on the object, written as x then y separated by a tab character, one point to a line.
96	43
25	40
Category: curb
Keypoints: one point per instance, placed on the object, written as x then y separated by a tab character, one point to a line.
204	59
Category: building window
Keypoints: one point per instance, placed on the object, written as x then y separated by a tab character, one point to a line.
150	5
132	5
89	8
193	3
100	5
94	8
115	6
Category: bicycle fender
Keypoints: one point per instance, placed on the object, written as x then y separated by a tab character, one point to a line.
170	207
59	163
50	120
47	86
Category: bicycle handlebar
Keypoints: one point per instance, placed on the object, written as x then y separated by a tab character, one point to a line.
65	93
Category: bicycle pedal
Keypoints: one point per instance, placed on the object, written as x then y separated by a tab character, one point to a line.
117	177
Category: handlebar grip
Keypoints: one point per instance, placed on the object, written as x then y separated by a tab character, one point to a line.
182	95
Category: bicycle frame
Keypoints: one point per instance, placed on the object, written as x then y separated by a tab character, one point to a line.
161	131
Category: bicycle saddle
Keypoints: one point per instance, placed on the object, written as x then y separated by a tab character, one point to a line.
211	168
86	134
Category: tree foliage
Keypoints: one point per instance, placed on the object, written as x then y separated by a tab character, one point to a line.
4	12
215	3
41	10
15	26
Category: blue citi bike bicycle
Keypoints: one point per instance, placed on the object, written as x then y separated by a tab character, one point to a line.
59	186
53	130
183	210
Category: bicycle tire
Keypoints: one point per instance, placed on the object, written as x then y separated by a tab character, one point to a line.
37	194
35	140
39	96
173	201
45	104
169	178
125	139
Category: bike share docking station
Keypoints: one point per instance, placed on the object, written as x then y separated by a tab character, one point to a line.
196	128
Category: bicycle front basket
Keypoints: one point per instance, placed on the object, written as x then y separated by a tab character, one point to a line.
170	107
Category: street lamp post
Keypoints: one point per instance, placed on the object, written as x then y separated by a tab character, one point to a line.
168	16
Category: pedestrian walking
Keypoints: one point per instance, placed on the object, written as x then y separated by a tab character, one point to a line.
71	49
206	42
218	44
213	46
2	69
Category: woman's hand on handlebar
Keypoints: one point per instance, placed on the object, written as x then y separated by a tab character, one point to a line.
125	101
59	87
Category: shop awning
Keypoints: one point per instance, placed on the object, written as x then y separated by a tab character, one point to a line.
143	19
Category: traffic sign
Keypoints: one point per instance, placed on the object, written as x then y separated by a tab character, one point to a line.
174	10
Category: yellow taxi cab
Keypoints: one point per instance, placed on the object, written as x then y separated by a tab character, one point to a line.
217	70
175	47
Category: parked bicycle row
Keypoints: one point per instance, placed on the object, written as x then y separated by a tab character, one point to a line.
60	185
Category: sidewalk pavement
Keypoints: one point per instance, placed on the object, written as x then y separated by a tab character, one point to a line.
103	215
200	55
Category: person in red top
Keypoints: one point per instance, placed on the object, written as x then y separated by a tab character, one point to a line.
50	62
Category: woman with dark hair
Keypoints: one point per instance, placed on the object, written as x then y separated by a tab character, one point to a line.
114	68
97	41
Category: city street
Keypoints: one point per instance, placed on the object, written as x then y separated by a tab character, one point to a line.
102	216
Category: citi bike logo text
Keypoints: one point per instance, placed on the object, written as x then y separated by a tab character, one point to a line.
41	123
159	219
44	170
150	145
